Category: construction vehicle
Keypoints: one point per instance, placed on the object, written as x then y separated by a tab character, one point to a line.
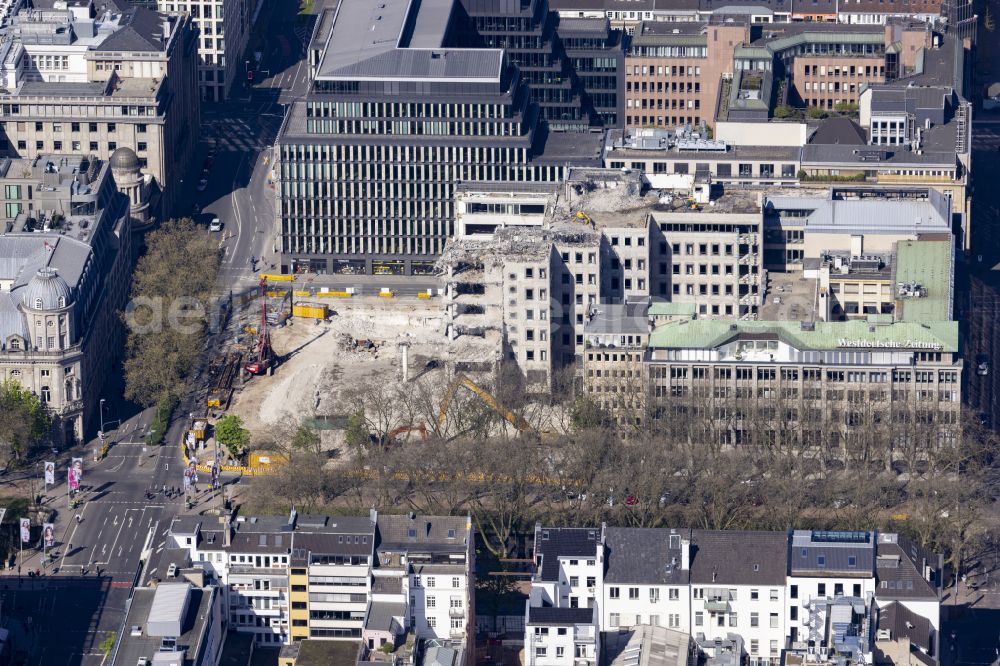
583	217
461	380
402	430
261	358
223	375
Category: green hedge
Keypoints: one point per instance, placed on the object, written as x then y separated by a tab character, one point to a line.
161	421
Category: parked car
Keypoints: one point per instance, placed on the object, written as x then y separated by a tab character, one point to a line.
215	224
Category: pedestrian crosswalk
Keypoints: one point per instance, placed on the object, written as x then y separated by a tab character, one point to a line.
234	135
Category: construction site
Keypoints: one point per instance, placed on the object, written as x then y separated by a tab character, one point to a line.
515	294
322	360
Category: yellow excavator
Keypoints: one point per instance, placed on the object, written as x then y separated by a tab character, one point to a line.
461	380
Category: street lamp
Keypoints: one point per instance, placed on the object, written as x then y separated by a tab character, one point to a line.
102	414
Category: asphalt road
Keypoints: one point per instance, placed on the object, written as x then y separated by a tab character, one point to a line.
99	555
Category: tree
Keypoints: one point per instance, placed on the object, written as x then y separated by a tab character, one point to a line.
815	113
229	432
306	439
108	644
845	107
503	490
24	421
167	314
379	407
356	434
307	485
586	414
783	111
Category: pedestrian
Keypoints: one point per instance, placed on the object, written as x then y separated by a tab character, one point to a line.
38	573
78	519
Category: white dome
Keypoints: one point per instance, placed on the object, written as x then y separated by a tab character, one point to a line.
46	291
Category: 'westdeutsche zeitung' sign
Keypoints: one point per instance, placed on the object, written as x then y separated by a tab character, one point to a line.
889	344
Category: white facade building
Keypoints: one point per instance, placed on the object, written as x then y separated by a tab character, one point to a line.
563	609
780	597
224	28
376	579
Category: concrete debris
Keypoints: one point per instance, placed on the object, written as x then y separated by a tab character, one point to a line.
351	344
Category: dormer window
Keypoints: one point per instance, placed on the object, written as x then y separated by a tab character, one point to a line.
62	301
38	304
15	345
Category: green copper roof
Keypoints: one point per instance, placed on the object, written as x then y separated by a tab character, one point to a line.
827	335
928	263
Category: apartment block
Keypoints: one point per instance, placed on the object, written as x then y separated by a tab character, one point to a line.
179	620
673	71
402	580
628	17
223	28
572	66
822	385
659	154
523	287
562	616
762	598
80	79
918	135
60	332
464	114
518	299
426	565
686	72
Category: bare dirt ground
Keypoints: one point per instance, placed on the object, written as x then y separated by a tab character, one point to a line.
321	360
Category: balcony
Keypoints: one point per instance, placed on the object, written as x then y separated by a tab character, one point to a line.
457	634
584	635
456	612
717	605
258	571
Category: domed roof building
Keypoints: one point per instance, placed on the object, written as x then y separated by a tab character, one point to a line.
127	171
124	159
46	291
62	286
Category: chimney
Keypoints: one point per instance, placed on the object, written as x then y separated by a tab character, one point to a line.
685	554
227	532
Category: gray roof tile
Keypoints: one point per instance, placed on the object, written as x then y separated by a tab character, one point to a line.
559	616
555	542
904	623
644	556
738	557
898	575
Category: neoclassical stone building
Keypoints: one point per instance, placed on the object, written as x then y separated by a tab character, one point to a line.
65	258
